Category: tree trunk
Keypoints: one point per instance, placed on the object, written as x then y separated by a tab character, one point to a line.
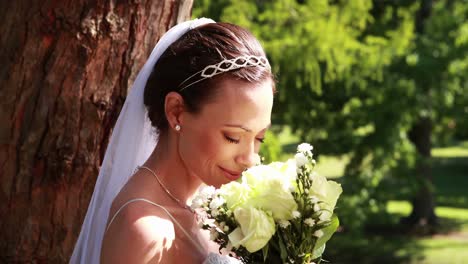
66	70
422	217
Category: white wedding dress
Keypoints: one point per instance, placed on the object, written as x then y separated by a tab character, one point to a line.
220	259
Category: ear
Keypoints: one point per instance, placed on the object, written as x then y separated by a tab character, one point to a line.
174	107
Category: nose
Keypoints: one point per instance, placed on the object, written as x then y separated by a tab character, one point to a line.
248	157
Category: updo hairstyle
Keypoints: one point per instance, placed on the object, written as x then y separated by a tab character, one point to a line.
202	46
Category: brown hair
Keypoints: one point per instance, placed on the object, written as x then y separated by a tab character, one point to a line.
205	45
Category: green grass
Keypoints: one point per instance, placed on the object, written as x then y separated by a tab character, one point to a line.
390	245
443	250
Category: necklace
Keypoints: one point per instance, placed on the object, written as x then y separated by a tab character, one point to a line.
167	190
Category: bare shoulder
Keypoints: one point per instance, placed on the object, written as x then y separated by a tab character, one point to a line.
141	233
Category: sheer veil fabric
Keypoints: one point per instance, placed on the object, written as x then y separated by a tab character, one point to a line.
132	141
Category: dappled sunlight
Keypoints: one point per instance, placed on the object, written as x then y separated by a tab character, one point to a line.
332	167
459	150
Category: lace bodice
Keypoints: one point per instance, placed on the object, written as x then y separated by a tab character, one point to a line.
220	259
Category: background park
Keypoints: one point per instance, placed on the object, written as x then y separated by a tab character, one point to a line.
379	88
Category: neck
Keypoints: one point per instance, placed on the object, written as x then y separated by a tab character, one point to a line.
165	161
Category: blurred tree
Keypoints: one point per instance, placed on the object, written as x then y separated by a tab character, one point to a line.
367	78
436	65
66	69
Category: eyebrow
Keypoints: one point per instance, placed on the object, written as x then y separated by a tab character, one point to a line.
244	128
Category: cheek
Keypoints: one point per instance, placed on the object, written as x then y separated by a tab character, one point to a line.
211	149
203	151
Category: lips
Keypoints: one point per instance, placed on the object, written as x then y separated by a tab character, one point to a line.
231	175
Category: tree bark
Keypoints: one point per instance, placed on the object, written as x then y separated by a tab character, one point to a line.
66	70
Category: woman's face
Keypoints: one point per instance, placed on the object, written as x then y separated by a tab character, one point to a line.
224	138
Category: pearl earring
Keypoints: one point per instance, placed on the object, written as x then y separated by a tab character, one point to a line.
177	127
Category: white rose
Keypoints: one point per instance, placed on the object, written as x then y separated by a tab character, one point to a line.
256	229
327	192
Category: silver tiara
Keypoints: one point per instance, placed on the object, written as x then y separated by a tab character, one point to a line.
224	66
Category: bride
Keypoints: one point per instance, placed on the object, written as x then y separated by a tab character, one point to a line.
197	114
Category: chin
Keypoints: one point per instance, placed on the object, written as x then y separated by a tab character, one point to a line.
211	180
217	184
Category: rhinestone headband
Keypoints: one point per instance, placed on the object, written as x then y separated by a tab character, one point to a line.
224	66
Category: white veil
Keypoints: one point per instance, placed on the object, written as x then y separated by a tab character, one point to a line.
131	143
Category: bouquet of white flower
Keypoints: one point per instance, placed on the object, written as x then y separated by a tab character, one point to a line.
276	213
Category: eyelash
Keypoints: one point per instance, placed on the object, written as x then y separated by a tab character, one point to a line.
231	140
234	141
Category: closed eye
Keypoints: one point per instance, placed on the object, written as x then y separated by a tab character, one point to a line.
231	140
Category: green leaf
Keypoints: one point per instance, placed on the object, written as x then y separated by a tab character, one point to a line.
327	234
283	251
318	252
